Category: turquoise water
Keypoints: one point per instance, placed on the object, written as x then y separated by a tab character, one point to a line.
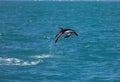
28	52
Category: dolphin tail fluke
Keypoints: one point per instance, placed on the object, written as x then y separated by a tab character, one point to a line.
75	33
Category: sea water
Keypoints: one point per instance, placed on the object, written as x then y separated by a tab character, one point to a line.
28	52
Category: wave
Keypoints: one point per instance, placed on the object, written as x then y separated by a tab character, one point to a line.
16	61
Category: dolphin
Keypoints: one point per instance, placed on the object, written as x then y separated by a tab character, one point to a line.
67	32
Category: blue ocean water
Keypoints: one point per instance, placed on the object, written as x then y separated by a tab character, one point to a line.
28	52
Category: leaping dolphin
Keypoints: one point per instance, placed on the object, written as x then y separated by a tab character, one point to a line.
67	32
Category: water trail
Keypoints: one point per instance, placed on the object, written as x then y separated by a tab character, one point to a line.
18	62
50	50
41	56
51	46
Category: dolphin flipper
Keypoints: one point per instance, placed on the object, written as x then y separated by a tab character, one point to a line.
67	35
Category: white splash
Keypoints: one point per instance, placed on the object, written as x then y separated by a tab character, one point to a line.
47	37
41	56
15	61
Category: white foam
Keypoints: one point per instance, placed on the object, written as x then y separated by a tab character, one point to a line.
42	56
15	61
